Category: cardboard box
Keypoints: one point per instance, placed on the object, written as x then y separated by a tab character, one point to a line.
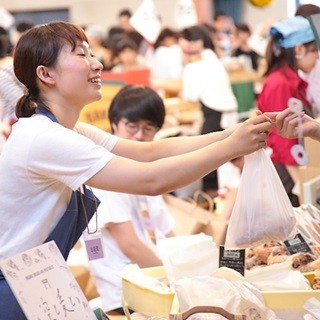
307	173
312	148
191	218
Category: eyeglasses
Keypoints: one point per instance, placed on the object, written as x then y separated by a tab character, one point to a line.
134	127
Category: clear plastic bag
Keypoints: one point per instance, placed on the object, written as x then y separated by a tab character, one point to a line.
226	289
262	210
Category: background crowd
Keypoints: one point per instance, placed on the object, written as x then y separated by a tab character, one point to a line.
193	64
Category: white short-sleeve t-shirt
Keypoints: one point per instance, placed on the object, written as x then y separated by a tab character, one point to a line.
118	208
41	164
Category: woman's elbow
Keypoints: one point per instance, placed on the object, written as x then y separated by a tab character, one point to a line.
157	187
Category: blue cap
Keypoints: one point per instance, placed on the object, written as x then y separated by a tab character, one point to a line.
291	31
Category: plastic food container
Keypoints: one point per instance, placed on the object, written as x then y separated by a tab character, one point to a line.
153	303
146	301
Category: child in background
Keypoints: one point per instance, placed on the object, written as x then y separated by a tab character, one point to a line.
125	52
241	46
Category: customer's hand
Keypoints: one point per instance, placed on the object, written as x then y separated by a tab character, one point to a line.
287	124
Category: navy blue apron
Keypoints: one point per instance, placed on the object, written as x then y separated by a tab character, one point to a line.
80	210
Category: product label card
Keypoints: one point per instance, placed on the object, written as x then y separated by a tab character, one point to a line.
233	259
45	286
297	244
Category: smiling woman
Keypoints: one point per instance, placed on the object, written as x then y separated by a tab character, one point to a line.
50	156
67	64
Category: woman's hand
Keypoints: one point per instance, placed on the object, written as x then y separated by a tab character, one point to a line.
251	135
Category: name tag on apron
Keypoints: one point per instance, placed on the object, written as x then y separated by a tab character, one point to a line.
146	221
93	242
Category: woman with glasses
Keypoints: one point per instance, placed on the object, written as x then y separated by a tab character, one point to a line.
130	224
50	156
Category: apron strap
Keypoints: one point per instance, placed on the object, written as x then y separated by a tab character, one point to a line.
42	110
80	210
69	229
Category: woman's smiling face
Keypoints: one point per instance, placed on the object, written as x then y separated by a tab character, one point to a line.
77	74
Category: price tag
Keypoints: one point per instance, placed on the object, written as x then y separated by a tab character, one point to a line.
297	244
233	259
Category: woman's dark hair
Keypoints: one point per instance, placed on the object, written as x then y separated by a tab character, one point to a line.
135	103
243	27
195	33
220	14
114	32
125	13
135	36
120	43
41	45
5	46
165	33
3	31
24	25
306	10
277	56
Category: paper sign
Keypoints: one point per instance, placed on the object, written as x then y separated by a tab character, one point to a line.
146	21
185	14
44	285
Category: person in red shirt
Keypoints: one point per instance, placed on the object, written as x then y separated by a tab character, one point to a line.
291	47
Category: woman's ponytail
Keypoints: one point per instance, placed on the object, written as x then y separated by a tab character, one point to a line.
25	107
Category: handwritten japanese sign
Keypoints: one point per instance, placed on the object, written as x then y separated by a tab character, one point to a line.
44	285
